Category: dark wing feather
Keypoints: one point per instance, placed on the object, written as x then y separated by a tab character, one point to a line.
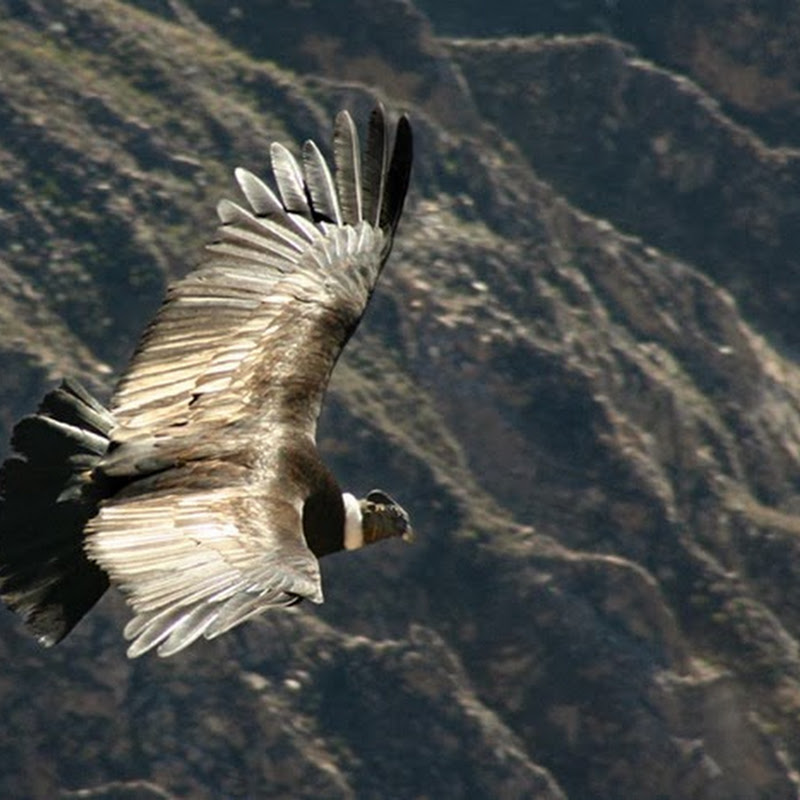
397	178
376	167
347	156
229	379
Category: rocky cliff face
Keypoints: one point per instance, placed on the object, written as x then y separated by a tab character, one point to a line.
579	374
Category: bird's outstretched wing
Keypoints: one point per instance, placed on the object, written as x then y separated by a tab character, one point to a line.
206	544
217	411
255	331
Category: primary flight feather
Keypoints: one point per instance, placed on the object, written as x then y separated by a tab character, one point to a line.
199	491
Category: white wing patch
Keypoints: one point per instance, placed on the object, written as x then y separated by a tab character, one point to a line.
224	320
196	564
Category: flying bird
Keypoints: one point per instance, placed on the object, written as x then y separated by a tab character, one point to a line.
199	491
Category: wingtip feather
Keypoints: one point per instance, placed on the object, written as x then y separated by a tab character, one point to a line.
320	186
289	178
347	156
398	175
262	199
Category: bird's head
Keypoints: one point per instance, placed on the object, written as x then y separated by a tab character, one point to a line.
376	516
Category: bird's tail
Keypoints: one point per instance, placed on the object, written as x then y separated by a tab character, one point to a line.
47	494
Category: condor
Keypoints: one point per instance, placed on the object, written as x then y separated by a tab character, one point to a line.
200	491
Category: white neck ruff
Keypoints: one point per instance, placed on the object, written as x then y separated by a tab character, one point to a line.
353	523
